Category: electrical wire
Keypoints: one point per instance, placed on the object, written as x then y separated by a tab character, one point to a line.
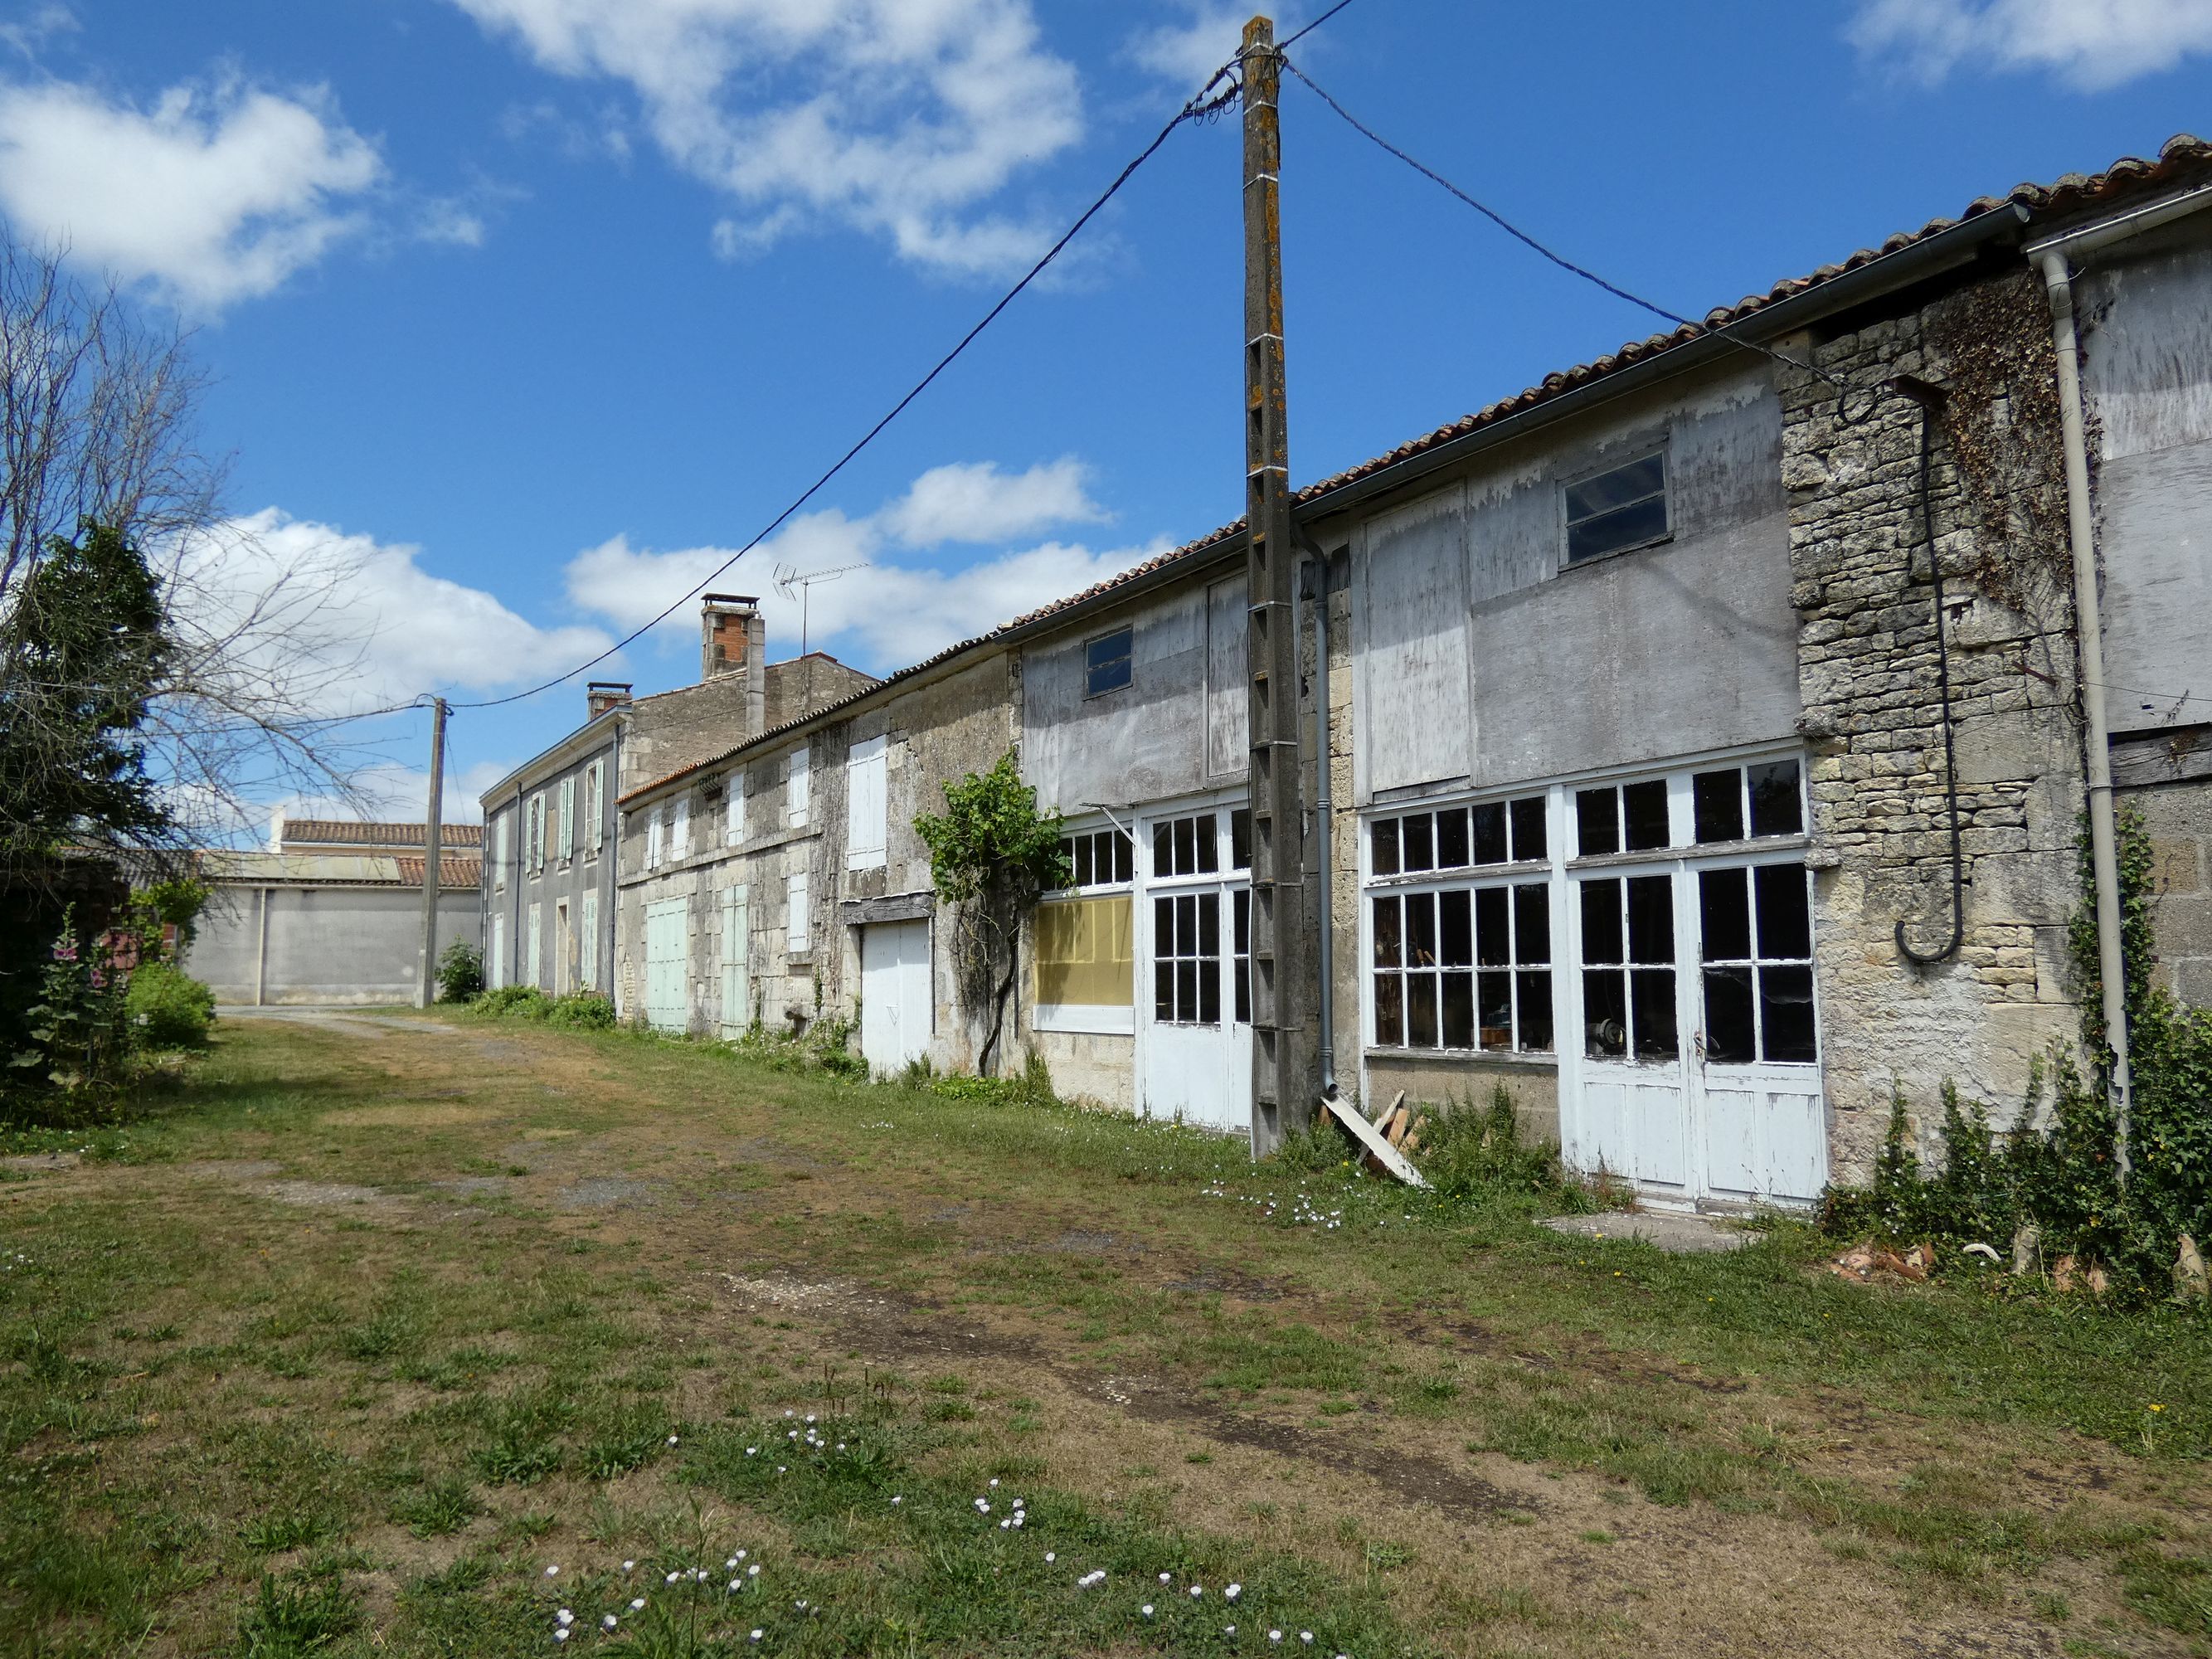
1200	106
1316	23
1529	241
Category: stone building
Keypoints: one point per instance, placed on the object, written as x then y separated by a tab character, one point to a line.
1708	735
548	877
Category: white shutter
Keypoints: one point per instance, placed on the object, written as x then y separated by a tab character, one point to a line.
799	778
595	802
496	969
535	853
736	993
534	940
499	845
866	806
568	817
796	941
652	838
679	834
734	829
587	966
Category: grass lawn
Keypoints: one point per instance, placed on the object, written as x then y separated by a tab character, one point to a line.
399	1335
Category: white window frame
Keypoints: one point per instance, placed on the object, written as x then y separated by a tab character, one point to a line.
798	922
798	781
867	805
733	820
653	833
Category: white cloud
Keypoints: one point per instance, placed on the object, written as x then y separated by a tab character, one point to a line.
975	502
895	611
359	624
896	117
2093	44
30	32
1188	52
218	193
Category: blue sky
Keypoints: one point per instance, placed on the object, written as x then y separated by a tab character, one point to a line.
518	309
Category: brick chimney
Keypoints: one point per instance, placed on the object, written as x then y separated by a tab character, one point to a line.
602	695
733	641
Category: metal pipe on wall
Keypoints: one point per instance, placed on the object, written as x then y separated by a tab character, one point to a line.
2104	834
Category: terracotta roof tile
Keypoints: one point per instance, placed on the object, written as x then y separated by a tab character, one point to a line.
349	832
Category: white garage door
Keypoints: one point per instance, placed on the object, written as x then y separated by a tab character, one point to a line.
667	929
895	1000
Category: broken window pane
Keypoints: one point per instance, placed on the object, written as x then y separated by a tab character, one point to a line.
1777	808
1718	800
1493	945
1106	663
1597	822
1382	847
1651	919
1605	1012
1386	932
1624	507
1609	532
1652	991
1785	1013
1455	928
1727	1016
1421	1010
1724	915
1602	921
1451	838
1535	993
1390	1011
1645	807
1532	923
1785	927
1528	828
1420	930
1459	1011
1494	998
1489	834
1414	844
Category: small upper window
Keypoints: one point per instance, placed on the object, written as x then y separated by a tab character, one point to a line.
1623	508
1106	663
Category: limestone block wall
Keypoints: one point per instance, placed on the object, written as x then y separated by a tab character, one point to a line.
2178	817
1872	719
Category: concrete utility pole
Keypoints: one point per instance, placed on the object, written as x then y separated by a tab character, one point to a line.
1286	1079
433	835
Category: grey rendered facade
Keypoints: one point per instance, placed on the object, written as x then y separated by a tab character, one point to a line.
549	864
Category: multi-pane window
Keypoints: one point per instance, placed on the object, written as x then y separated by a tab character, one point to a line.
1185	845
1463	967
1458	837
1628	968
1107	663
1757	951
1624	507
1099	858
1187	958
1741	803
1617	818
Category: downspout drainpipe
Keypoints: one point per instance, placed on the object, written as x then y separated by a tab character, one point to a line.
2104	838
1324	817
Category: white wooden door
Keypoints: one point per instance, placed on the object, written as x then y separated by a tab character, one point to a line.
1633	1120
736	981
895	1004
667	931
1193	984
1761	1115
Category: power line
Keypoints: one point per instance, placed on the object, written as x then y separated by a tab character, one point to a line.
1527	241
1316	23
1199	105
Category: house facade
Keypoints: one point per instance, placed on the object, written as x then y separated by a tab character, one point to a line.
1703	736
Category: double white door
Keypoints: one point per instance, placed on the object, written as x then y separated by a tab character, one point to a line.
1700	1073
897	1007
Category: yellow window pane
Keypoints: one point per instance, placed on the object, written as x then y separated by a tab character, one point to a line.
1084	954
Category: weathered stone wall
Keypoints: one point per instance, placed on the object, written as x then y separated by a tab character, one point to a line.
1873	717
2178	817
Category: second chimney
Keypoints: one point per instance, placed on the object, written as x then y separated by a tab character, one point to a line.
602	695
730	630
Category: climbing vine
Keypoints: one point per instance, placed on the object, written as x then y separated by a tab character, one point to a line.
991	852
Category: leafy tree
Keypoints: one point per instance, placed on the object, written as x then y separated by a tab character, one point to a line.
991	853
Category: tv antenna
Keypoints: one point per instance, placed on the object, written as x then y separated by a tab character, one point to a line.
787	577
